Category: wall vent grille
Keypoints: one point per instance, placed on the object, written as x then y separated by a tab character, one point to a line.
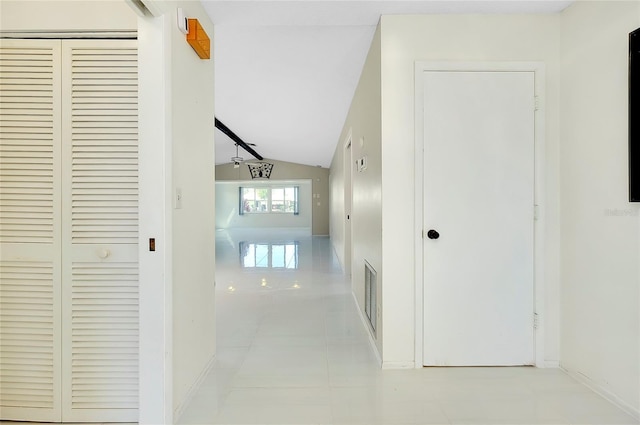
370	295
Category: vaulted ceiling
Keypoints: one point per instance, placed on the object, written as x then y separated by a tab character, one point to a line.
286	71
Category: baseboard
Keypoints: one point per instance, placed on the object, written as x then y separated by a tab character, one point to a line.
398	365
374	347
372	341
551	364
600	390
179	411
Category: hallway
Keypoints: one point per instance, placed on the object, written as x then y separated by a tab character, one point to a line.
292	349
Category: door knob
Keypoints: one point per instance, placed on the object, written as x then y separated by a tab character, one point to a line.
104	253
433	234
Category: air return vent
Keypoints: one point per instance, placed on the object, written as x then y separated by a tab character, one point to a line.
370	295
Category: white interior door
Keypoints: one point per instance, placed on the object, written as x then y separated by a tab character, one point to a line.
100	231
30	217
478	196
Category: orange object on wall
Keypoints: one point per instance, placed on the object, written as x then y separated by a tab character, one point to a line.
198	39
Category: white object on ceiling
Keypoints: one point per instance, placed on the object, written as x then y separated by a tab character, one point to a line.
286	71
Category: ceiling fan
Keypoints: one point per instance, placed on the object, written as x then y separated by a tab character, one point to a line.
258	170
237	160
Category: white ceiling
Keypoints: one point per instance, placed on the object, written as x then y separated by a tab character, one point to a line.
286	71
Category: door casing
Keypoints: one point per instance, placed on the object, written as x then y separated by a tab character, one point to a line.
539	191
348	205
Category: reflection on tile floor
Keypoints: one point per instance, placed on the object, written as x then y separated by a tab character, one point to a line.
293	350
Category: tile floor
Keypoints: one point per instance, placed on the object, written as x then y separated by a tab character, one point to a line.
293	350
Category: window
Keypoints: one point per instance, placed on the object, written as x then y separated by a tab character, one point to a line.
269	199
254	199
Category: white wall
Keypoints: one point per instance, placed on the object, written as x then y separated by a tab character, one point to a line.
364	125
193	170
154	149
406	39
176	151
592	237
42	16
227	216
600	228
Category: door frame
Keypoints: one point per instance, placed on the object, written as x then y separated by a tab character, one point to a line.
348	204
538	68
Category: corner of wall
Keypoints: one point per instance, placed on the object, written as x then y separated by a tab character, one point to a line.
189	165
363	127
600	229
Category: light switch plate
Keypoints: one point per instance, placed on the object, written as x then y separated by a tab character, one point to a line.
177	200
362	164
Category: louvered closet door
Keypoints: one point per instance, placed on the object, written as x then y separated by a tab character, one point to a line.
100	251
30	329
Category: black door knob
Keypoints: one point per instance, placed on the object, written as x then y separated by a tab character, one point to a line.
433	234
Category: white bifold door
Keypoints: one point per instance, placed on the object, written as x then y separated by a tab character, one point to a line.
478	218
68	230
